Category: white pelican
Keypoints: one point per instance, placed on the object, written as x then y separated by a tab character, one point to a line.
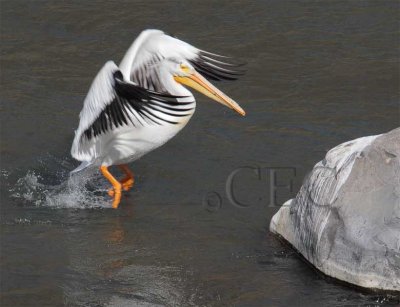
133	109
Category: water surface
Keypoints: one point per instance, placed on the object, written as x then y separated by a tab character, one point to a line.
318	73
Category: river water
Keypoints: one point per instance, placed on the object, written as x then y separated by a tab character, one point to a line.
318	73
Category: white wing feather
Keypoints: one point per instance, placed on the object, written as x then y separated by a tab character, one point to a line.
151	44
101	93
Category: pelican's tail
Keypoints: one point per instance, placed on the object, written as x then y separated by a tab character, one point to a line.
81	167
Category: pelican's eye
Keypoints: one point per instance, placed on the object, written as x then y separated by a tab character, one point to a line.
185	68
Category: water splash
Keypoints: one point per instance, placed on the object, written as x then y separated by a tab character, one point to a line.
43	187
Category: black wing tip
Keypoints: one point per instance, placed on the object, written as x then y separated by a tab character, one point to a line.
222	59
218	67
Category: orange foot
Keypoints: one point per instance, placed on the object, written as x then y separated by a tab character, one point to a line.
117	197
116	190
111	192
127	183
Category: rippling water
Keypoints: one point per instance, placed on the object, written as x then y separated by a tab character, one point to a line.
318	73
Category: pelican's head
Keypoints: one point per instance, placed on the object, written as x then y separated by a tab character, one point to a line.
184	73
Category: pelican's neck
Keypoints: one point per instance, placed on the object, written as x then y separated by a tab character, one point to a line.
174	88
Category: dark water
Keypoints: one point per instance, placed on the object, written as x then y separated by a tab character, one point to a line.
318	73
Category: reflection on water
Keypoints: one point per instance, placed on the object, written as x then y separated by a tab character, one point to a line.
319	73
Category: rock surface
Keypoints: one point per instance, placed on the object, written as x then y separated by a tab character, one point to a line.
345	219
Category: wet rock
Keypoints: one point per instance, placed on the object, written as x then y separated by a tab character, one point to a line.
345	219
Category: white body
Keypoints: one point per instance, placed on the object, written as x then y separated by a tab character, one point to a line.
127	144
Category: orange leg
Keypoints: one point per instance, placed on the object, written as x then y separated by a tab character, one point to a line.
128	181
116	184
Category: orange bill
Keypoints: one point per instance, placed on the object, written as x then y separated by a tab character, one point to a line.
199	83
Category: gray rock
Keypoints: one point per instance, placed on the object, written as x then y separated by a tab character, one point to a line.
345	219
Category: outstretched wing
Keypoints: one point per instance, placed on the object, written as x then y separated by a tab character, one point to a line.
112	103
153	46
